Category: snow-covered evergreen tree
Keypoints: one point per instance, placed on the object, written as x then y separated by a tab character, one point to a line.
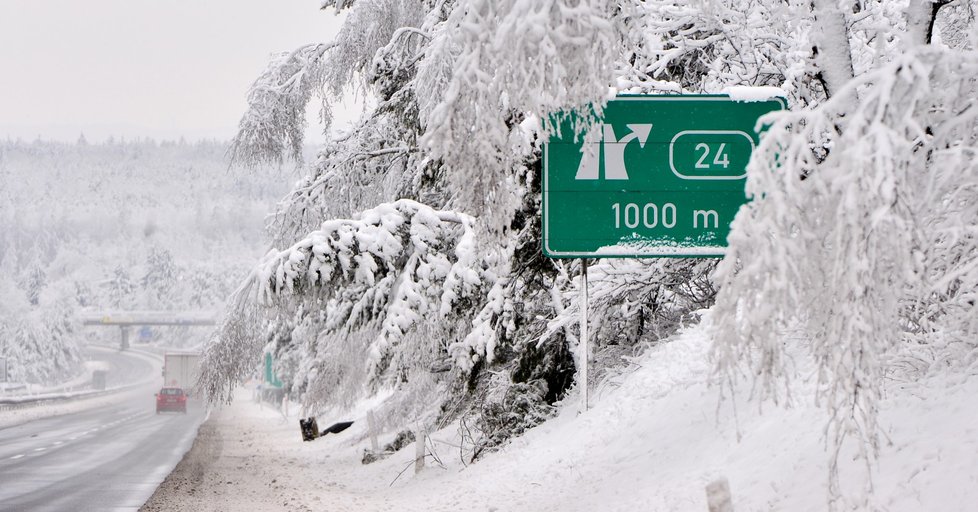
464	90
37	338
119	289
36	280
159	279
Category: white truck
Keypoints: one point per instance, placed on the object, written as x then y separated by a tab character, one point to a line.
180	370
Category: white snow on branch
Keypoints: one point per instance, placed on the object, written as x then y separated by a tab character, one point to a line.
390	264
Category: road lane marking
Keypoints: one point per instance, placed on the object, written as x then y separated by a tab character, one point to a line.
17	456
41	449
56	443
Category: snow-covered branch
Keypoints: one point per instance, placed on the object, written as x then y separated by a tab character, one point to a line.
512	57
384	270
273	126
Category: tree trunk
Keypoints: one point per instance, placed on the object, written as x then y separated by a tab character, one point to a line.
832	52
920	19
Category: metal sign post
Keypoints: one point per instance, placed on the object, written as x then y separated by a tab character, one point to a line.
584	345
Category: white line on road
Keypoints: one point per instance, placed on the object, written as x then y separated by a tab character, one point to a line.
41	449
17	456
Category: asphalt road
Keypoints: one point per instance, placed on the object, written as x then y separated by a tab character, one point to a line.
108	457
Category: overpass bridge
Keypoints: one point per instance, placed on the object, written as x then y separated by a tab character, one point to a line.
125	320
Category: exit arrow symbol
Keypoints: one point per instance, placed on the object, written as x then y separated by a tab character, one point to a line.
614	154
640	132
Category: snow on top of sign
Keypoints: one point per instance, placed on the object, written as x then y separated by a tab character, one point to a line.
748	94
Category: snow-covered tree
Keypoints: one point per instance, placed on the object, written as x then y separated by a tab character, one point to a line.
464	92
159	279
119	288
36	280
37	338
861	241
401	156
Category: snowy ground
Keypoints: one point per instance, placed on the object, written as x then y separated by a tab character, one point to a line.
652	441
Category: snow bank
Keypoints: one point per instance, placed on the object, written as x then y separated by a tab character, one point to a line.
654	439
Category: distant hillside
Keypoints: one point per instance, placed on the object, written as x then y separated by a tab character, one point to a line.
121	225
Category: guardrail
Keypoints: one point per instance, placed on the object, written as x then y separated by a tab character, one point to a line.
13	402
23	402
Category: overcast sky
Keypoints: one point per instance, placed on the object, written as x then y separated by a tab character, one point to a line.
134	68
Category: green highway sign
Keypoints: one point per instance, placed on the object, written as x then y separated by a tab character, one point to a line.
270	376
657	176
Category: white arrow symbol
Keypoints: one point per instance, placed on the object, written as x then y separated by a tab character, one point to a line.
614	151
614	154
588	168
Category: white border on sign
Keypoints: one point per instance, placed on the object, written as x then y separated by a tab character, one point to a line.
672	163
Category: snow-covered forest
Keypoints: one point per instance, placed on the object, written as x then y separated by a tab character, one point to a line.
118	226
408	266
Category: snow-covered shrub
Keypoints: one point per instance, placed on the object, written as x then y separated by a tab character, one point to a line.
507	412
402	439
640	299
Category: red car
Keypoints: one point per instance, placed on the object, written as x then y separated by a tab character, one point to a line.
171	399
